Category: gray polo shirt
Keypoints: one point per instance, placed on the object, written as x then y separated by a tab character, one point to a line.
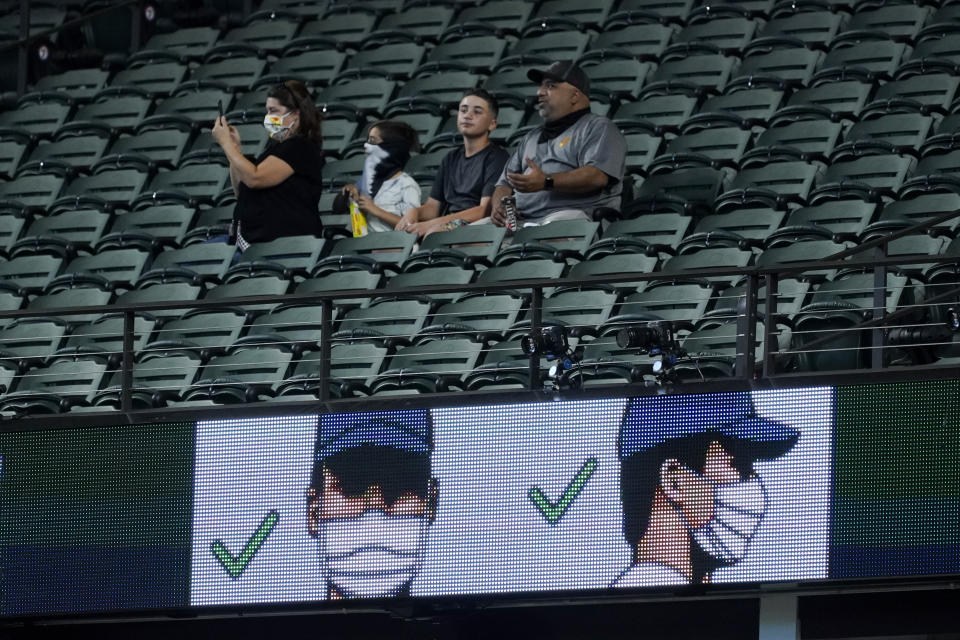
590	141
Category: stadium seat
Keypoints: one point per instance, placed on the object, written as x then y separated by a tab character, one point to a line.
792	65
431	275
346	29
313	68
29	194
685	302
29	341
147	149
665	111
616	264
284	257
425	23
901	22
65	156
114	268
56	387
877	58
814	28
31	273
156	382
198	106
729	34
397	319
190	43
709	72
108	115
387	248
544	48
644	42
482	317
477	54
720	257
670	10
428	366
193	185
76	84
291	327
504	15
842	98
263	36
897	132
200	333
367	95
803	139
152	227
244	376
39	121
156	79
12	151
345	280
205	261
397	61
149	291
867	177
237	74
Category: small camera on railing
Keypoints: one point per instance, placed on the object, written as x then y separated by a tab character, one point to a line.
921	342
551	342
652	337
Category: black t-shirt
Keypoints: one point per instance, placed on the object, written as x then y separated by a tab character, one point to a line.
289	208
461	181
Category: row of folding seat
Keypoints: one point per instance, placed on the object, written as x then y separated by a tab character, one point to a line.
472	331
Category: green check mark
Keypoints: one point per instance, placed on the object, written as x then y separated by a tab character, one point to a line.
235	565
552	512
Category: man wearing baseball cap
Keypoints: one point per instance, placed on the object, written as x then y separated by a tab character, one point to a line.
570	165
371	500
692	501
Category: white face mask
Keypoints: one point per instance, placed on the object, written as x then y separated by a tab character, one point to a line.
738	509
275	127
373	555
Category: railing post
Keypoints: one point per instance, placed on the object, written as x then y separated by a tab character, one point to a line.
23	61
770	325
136	21
326	329
536	315
747	330
879	307
126	365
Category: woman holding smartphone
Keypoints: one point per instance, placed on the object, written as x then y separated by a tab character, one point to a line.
278	193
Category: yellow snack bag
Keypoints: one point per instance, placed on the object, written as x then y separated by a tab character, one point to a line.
358	221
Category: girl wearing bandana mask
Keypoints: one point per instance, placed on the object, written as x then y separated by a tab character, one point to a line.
384	192
278	192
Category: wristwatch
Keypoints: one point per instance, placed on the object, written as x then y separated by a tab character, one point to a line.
548	183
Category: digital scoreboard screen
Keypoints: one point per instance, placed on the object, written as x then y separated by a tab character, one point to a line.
591	496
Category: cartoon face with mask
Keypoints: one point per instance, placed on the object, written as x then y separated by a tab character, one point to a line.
371	501
692	499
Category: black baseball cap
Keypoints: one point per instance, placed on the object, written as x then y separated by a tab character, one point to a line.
563	71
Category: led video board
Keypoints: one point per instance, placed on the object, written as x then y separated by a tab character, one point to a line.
592	496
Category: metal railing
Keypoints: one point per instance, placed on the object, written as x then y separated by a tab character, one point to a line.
757	346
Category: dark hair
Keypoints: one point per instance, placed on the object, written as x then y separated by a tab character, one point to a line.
487	97
357	469
640	477
295	96
398	131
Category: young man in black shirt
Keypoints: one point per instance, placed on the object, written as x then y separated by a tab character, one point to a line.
467	175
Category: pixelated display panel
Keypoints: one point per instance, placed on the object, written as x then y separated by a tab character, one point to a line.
585	495
786	485
897	503
96	518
